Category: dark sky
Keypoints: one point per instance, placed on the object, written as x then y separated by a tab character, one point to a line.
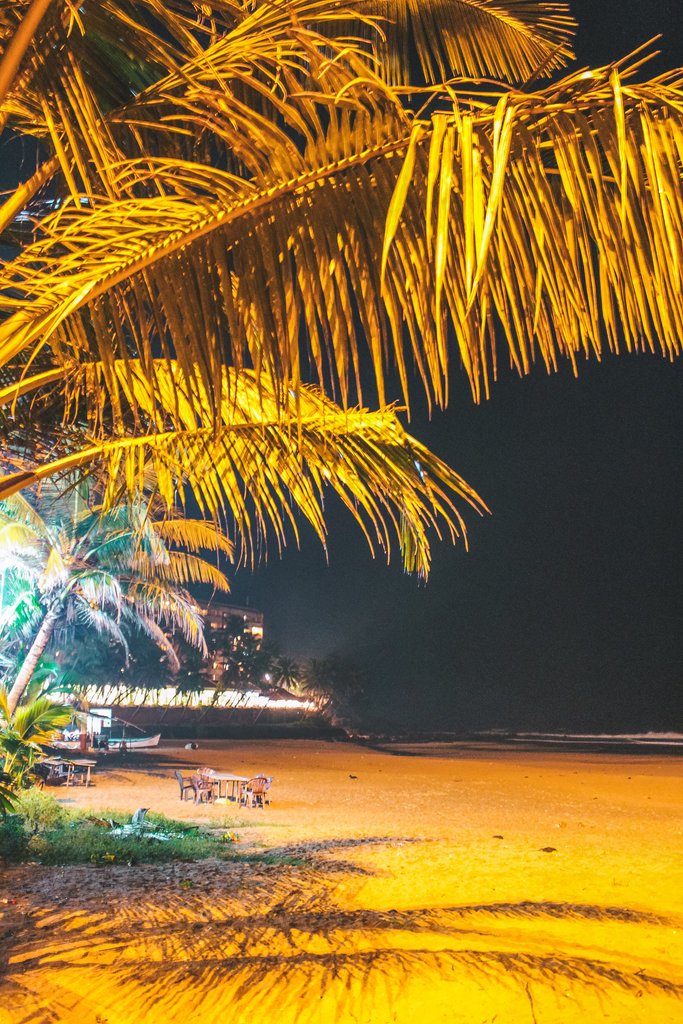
566	611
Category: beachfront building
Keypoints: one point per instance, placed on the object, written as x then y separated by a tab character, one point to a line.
120	695
231	632
229	680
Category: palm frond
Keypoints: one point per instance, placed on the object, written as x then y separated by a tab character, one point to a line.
558	213
193	535
274	457
102	623
39	720
18	511
156	602
98	588
181	569
542	210
505	39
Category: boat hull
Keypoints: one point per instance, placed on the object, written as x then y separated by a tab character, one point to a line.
132	743
135	742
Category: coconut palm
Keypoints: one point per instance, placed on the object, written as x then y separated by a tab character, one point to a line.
233	187
109	570
23	730
333	683
286	672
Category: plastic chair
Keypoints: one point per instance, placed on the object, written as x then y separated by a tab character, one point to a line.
255	792
269	781
204	789
186	787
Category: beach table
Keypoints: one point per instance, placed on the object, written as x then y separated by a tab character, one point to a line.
225	780
79	771
57	768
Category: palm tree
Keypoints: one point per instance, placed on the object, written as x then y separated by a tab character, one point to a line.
23	730
234	200
252	659
286	672
333	683
109	570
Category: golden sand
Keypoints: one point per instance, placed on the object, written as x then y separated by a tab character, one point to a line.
469	886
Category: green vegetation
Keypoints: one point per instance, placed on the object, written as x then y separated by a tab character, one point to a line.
108	569
22	733
45	831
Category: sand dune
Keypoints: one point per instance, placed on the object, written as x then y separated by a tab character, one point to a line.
470	885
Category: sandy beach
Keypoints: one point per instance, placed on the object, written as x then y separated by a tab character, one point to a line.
443	884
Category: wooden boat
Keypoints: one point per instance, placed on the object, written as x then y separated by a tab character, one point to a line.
135	742
131	741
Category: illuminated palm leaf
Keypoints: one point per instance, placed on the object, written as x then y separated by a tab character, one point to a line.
156	602
507	39
273	457
543	210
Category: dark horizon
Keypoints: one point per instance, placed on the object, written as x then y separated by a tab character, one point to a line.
566	611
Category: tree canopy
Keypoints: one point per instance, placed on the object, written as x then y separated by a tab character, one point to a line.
245	213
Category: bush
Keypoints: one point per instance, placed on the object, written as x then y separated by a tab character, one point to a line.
41	810
46	832
85	843
13	839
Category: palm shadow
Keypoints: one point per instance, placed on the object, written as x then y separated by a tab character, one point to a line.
283	940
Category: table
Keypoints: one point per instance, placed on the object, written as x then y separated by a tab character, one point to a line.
234	781
58	769
73	772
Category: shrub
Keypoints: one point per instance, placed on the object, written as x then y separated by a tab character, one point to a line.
46	832
13	839
85	843
41	810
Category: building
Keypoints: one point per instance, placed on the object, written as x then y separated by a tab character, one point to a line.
233	634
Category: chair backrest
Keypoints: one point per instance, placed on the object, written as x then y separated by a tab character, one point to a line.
257	784
268	778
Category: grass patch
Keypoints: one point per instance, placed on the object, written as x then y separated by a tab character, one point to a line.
85	843
45	831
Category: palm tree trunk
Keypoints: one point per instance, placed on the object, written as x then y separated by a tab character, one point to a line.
33	657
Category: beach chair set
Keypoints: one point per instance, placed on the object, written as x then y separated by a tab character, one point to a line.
205	786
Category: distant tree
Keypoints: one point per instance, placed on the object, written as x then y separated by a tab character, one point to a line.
110	570
254	659
334	683
286	672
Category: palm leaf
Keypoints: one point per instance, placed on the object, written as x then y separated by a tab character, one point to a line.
193	535
39	720
505	39
181	569
273	457
7	797
155	601
529	222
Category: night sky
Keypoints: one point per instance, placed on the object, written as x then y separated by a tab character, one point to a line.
565	612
